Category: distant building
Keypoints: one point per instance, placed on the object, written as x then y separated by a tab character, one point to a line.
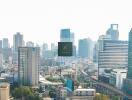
4	91
17	42
113	32
0	46
85	49
0	61
6	51
5	43
65	35
28	65
113	54
30	44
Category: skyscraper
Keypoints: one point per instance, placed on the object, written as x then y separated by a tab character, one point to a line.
0	46
6	50
5	43
127	88
65	35
129	73
84	50
113	32
30	44
28	65
17	42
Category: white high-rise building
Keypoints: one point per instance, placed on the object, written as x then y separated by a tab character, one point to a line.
113	55
28	65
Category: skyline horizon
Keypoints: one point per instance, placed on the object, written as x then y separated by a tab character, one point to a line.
49	44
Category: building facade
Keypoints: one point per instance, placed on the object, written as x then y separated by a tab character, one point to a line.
113	55
85	49
28	65
127	88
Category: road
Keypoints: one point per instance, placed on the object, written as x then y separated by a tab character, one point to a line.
107	86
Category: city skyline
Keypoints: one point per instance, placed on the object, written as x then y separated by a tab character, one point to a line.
45	19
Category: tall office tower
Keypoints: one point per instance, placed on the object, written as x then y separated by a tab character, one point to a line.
4	91
28	65
0	61
113	32
5	50
72	38
53	47
45	46
74	51
44	49
0	46
112	55
85	50
5	43
128	81
65	35
17	42
30	44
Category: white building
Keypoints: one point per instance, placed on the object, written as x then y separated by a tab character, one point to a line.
117	76
28	65
83	94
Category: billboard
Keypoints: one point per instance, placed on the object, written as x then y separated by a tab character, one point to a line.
65	49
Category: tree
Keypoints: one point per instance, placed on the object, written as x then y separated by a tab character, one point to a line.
25	92
101	97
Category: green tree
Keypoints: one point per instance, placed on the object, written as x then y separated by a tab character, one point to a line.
101	97
24	92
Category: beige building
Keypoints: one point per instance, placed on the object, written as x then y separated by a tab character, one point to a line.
4	91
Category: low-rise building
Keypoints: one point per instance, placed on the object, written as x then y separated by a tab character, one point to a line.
4	91
83	94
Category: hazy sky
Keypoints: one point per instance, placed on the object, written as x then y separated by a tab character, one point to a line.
41	20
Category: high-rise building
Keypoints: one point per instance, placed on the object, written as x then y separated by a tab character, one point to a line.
17	42
112	55
65	35
0	46
4	91
6	50
128	81
0	61
28	65
5	43
30	44
85	50
129	73
53	47
113	32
